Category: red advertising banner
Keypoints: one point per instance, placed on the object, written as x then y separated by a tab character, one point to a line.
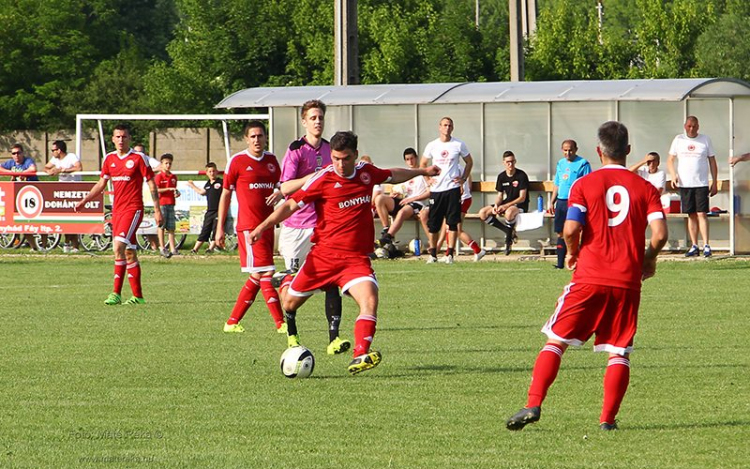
47	207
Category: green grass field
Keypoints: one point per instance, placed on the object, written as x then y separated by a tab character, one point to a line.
84	385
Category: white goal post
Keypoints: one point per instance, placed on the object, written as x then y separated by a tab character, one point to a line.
164	117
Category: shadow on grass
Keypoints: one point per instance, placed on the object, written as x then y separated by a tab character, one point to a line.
691	426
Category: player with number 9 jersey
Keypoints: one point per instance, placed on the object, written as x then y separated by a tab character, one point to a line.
618	206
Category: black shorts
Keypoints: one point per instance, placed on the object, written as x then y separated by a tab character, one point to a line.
397	207
209	226
561	213
694	199
446	206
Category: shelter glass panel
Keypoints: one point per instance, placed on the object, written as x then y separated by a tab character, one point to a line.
284	121
579	121
521	128
652	126
741	177
467	128
337	118
384	132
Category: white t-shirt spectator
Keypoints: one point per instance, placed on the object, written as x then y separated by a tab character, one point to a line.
692	159
67	162
447	156
659	180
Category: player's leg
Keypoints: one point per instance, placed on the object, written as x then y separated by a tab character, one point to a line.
572	323
291	303
273	303
701	195
115	298
452	219
250	289
205	233
172	243
134	276
561	212
406	213
333	308
384	204
124	227
365	294
688	203
616	381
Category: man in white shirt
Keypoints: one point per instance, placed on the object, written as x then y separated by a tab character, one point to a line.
445	204
65	165
648	169
695	156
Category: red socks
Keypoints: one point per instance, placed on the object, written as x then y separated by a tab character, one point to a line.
544	374
120	265
272	301
134	277
244	300
364	330
475	247
616	380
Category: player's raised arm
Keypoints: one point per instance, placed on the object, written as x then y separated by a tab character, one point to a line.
293	185
281	213
399	175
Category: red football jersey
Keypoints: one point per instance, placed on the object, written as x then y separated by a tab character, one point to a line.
254	179
345	223
127	174
618	207
164	180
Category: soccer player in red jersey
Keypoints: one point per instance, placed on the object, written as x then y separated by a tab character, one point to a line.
127	169
608	212
254	175
343	236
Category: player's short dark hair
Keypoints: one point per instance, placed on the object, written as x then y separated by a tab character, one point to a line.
62	146
166	156
122	126
613	140
508	153
344	140
312	104
255	124
446	118
211	164
410	151
655	155
17	146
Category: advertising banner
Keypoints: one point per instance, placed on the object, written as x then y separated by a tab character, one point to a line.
47	208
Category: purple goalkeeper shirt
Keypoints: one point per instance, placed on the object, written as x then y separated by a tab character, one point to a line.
300	160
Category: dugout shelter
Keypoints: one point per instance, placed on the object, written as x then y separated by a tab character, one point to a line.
532	119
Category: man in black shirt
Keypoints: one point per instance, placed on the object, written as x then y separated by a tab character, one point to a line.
512	198
212	191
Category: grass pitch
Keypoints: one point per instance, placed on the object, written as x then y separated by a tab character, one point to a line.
84	385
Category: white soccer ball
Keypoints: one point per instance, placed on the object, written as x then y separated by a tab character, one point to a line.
381	253
297	362
415	246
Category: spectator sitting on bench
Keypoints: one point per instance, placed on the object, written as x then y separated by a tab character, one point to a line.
512	198
404	203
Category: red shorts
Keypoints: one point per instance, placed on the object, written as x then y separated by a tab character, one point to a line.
583	310
465	206
256	257
124	226
322	271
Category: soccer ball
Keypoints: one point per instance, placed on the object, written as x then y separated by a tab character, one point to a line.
297	362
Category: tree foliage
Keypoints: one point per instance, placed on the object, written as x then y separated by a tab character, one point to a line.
62	57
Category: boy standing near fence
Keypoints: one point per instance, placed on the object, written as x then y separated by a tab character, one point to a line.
212	191
166	183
